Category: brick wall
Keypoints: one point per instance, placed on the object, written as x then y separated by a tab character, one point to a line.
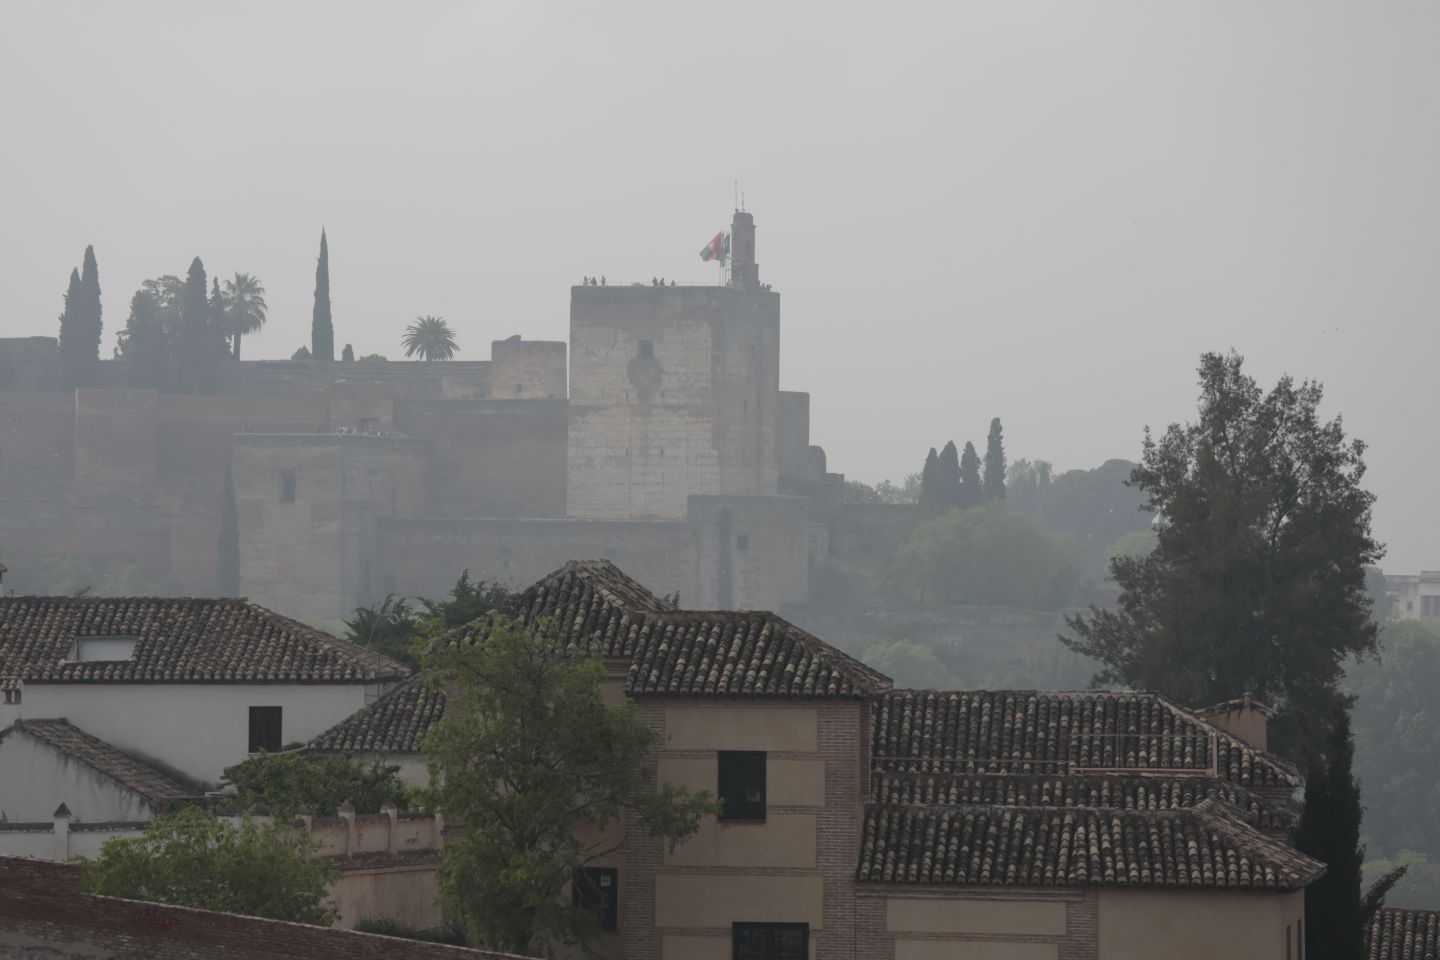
42	909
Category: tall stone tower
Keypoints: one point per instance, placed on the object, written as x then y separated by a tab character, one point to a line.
674	391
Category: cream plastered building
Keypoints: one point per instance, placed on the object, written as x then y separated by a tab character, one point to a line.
864	822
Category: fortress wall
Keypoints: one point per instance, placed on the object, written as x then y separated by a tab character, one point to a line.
195	430
673	392
115	436
312	557
29	363
36	436
527	369
792	437
426	556
457	379
750	552
491	458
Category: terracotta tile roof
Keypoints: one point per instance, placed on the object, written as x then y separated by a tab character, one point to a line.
1050	733
1043	846
160	789
395	723
179	640
1396	934
686	652
1108	792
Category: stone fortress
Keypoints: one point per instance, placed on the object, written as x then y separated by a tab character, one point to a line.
667	447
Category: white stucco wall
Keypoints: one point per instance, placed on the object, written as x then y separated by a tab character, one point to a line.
195	729
35	778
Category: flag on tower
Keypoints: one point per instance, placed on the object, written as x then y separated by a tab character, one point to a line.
716	249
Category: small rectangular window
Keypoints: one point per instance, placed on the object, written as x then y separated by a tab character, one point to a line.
742	542
647	349
287	486
264	729
742	784
770	941
597	889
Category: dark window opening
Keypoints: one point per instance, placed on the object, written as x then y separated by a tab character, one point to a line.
742	542
770	941
742	785
597	890
369	425
647	349
264	729
519	388
287	486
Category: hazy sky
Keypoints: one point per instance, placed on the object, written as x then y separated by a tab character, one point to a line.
1041	211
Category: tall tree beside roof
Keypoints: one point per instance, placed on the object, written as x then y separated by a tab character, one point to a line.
1336	912
245	310
228	565
322	331
1257	580
528	753
971	491
994	488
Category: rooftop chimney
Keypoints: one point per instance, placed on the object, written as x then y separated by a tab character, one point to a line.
1244	718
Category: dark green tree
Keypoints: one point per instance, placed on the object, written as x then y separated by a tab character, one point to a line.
143	345
194	860
228	567
72	333
468	600
930	483
193	342
283	783
348	354
322	331
1336	912
244	308
430	337
947	477
994	488
538	767
388	627
87	356
1257	582
970	487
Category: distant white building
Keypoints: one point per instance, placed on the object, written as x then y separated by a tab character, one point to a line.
1415	596
181	687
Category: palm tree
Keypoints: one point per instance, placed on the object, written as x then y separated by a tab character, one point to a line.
244	307
431	337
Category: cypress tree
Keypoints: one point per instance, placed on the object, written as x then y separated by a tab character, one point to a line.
322	332
1329	831
969	476
228	567
87	356
72	334
995	463
145	344
929	482
947	477
194	338
348	354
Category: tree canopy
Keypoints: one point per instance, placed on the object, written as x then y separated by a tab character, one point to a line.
1257	581
245	309
283	783
431	338
391	626
527	755
994	485
988	555
194	860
